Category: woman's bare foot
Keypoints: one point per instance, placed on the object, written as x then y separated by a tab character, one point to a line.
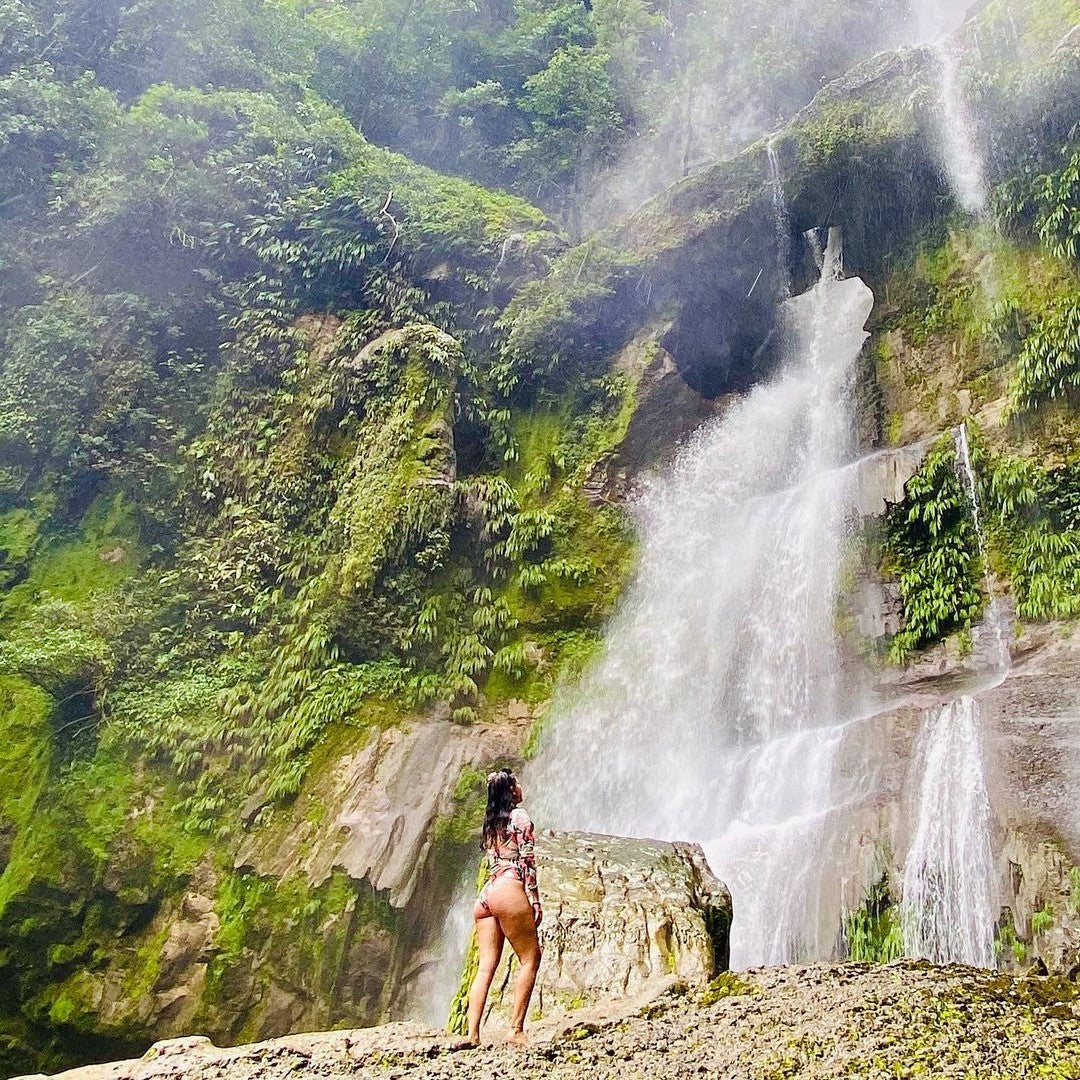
517	1038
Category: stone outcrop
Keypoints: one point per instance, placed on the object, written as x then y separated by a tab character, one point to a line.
380	801
621	917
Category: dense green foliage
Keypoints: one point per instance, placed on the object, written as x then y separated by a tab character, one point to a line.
1033	532
1041	200
933	548
532	96
227	523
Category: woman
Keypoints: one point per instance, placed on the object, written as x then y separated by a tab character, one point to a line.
509	903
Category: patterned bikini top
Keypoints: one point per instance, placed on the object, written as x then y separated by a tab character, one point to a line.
514	853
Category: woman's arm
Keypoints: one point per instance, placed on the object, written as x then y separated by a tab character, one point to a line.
522	825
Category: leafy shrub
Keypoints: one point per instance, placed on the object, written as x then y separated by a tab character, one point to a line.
932	547
1048	366
873	931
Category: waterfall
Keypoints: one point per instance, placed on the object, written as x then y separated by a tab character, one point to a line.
781	220
437	985
948	884
713	712
935	22
994	618
949	889
961	158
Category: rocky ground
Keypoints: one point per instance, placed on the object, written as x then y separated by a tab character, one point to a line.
901	1020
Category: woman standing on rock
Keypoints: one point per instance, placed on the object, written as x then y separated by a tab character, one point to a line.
509	903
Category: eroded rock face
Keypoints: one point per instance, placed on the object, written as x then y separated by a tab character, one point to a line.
1030	719
381	800
621	916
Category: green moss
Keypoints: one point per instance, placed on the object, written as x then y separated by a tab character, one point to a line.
1042	920
288	932
87	868
726	984
462	825
1007	941
104	553
25	752
20	530
842	128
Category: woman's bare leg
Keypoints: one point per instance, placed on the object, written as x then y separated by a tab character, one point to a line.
516	919
489	939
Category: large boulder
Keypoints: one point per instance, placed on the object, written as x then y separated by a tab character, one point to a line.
622	917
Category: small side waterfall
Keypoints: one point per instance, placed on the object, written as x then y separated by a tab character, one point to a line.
948	907
961	158
713	714
935	21
949	888
993	619
437	985
782	222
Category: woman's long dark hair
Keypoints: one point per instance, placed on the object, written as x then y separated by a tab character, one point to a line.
500	803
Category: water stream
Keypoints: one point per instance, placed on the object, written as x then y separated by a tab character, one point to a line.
949	884
994	617
781	218
437	985
949	887
936	22
714	712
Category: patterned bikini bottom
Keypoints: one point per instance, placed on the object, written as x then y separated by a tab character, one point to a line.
482	910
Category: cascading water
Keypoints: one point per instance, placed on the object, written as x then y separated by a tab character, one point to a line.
949	885
948	908
935	20
713	712
994	619
961	158
780	218
434	989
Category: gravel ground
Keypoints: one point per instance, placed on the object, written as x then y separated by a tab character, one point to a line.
853	1021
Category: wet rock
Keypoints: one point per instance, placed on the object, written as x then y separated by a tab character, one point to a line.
667	410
